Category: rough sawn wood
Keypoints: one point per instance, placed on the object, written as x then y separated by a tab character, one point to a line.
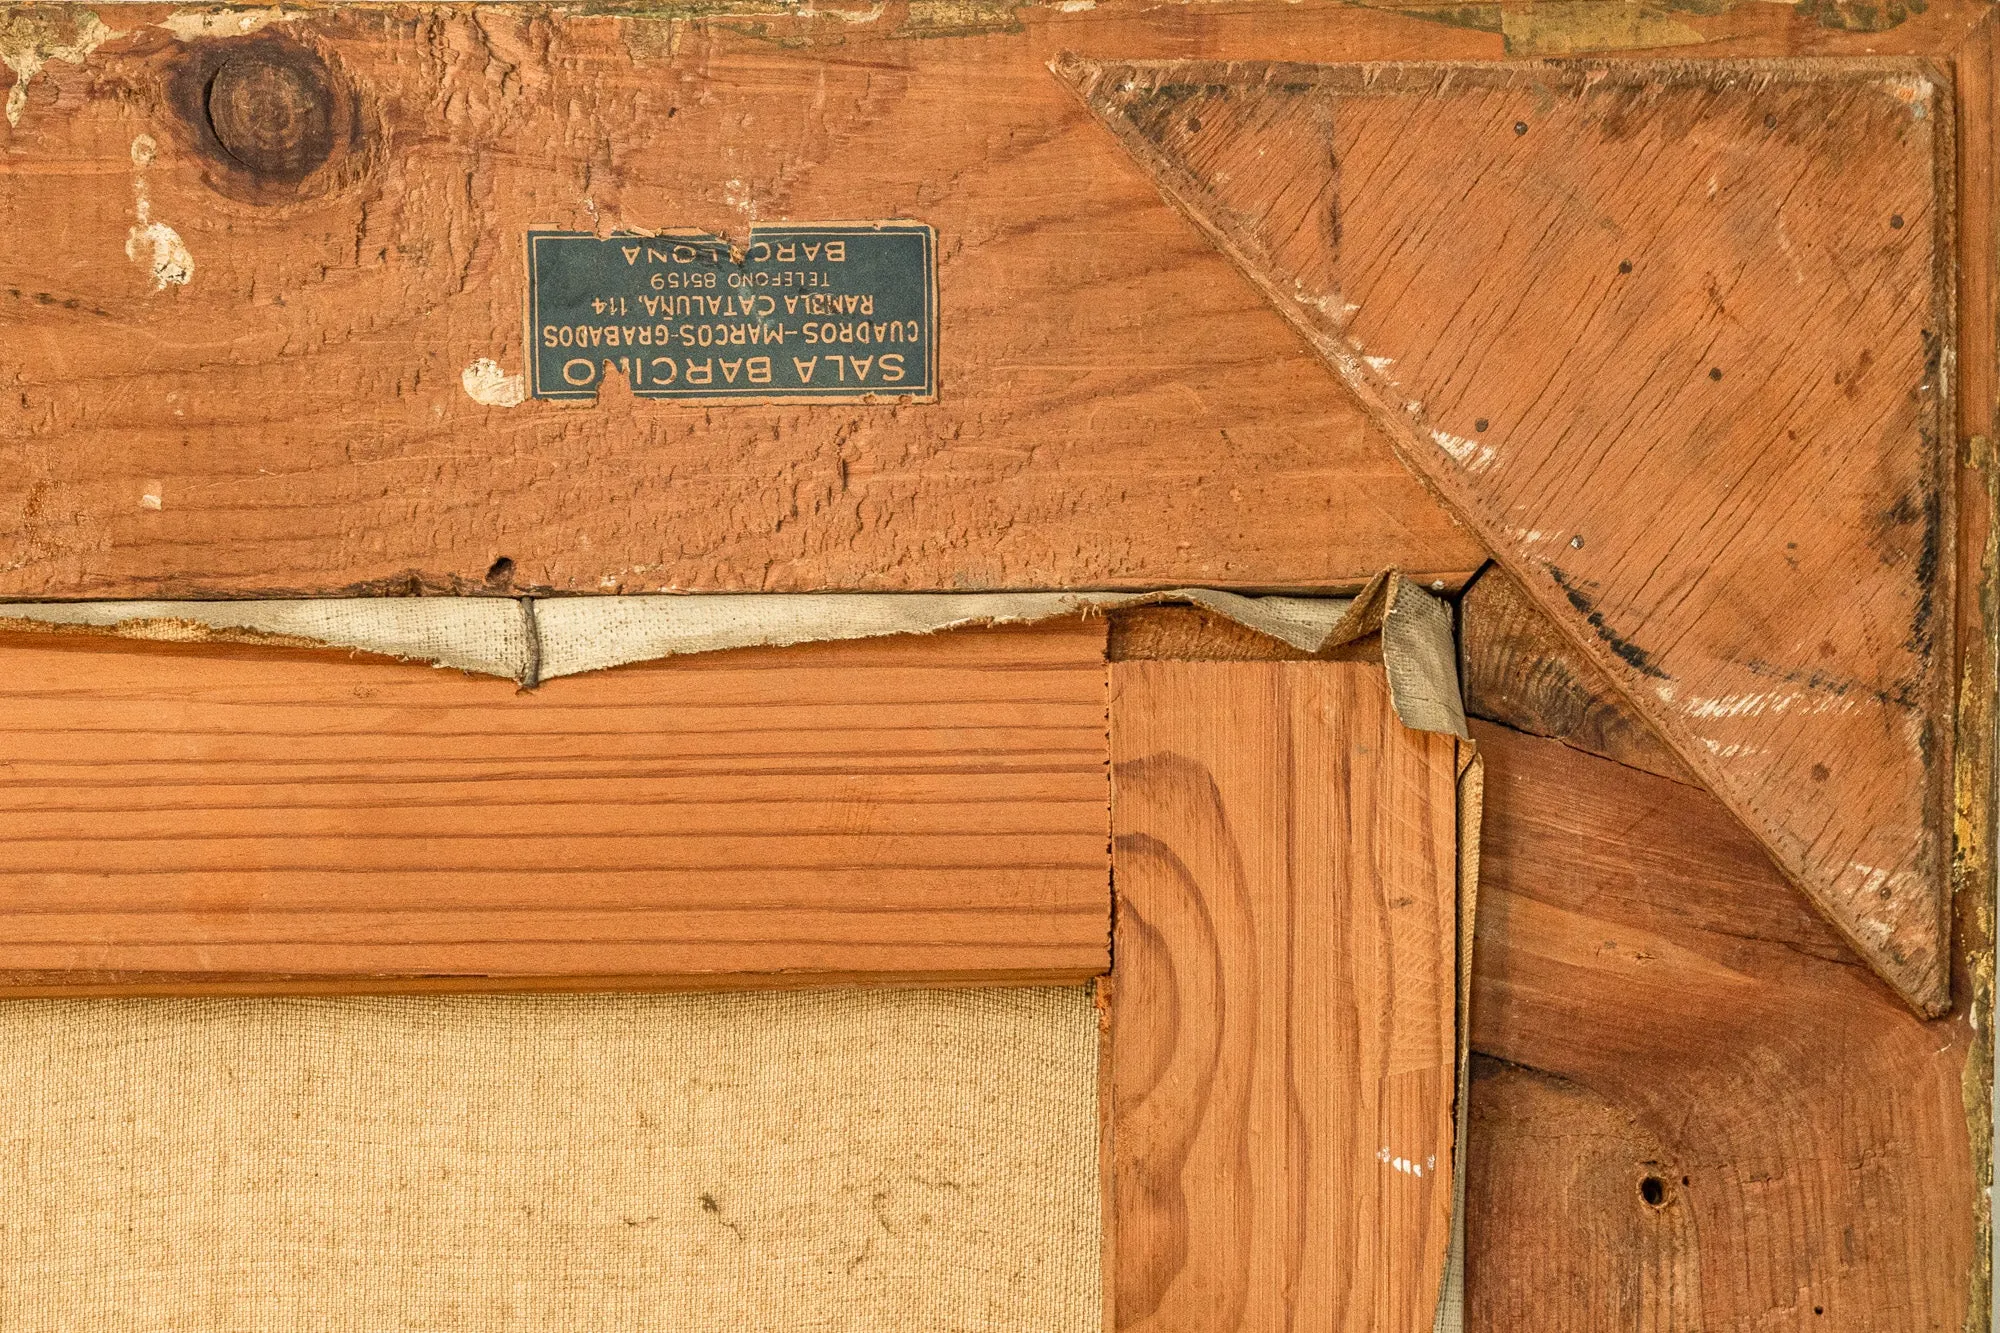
1674	338
1515	667
288	410
1690	1019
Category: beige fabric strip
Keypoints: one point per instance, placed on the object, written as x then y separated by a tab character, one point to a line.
532	640
489	635
1450	1316
587	633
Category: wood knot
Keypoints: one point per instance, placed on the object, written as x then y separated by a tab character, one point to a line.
272	110
273	119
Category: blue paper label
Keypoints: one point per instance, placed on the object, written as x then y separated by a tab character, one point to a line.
832	312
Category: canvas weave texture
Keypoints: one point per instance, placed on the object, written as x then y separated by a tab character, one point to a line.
815	1160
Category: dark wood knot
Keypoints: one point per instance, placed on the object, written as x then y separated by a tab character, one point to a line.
272	110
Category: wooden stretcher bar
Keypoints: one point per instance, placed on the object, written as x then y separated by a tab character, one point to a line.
201	818
950	809
1697	1103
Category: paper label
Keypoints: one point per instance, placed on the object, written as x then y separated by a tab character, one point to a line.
826	312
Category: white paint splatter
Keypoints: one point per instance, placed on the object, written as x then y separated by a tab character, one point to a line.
1408	1167
1468	454
169	260
1915	92
1884	883
1460	448
1736	705
1379	364
1076	6
154	495
1327	305
488	384
28	42
868	15
1791	255
1756	705
189	24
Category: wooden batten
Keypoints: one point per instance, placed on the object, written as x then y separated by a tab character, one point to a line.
316	388
1678	349
1656	1003
927	810
1283	1008
1685	337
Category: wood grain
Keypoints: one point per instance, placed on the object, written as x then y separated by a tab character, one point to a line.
1603	1234
1194	634
920	808
267	503
1116	407
1636	943
1282	1006
1562	1235
1516	668
1674	338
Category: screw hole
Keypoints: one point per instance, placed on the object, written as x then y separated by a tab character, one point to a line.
1653	1190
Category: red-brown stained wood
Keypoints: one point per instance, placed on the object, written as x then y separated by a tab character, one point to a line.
1517	668
422	514
1195	634
1614	1243
1115	406
1674	338
1634	941
917	808
1283	1003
